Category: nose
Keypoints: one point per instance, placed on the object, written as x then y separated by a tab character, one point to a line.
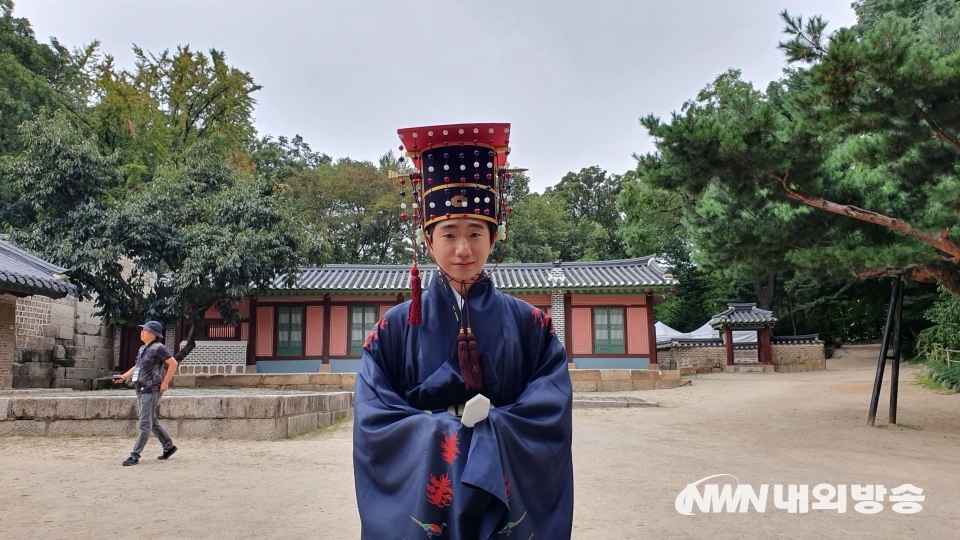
463	248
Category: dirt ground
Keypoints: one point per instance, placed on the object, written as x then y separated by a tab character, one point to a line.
802	428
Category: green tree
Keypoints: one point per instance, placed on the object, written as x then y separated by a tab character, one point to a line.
202	234
283	157
540	230
867	135
945	316
356	208
33	77
654	224
591	197
157	111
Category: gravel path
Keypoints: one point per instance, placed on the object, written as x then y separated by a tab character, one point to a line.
630	465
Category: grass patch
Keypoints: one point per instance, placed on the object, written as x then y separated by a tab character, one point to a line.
908	426
939	377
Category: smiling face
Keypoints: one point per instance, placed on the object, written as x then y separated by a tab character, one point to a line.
460	247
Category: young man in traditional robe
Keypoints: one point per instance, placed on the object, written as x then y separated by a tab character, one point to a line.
463	399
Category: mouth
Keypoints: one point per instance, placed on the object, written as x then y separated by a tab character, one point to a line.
463	264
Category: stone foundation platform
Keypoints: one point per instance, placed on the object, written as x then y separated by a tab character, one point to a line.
184	413
584	380
619	380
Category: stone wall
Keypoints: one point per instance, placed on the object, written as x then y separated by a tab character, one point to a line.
232	354
691	360
214	369
786	358
798	357
620	380
8	314
60	344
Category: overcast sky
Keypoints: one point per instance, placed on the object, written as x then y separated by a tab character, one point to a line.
571	77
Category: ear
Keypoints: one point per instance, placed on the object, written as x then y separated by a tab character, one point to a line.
429	242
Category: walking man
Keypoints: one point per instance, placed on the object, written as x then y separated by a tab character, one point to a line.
151	381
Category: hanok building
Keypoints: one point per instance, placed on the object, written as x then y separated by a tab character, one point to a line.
602	312
23	275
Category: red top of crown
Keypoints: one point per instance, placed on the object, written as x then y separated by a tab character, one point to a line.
493	135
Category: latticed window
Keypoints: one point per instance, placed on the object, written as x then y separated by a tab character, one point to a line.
362	319
290	331
608	331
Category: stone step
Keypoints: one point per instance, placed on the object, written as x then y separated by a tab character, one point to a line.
611	402
228	415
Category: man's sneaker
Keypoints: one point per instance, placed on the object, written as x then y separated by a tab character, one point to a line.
167	453
130	461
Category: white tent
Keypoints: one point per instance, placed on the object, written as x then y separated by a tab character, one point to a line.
664	332
706	332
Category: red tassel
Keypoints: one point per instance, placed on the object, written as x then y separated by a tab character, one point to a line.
416	291
469	357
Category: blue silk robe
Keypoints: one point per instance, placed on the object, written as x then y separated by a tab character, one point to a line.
425	475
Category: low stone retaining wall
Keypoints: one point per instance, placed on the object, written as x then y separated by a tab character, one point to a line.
800	357
228	415
618	380
712	358
307	382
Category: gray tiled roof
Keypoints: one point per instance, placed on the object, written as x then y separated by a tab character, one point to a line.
643	272
742	315
807	338
21	272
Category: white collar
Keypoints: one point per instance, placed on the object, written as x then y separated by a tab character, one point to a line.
456	294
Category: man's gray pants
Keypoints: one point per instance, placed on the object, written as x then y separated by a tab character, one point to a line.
149	402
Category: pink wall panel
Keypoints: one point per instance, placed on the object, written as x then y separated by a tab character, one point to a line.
244	331
338	331
609	300
314	337
582	330
264	331
638	342
242	307
384	310
536	300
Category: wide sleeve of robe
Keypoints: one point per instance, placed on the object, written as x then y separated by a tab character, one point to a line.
422	474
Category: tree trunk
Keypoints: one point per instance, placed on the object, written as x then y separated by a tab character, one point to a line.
190	341
766	290
793	313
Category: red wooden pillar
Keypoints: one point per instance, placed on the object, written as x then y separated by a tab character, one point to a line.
326	328
252	334
766	353
651	332
728	341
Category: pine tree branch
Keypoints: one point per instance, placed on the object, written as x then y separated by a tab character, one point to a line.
952	141
939	240
948	276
